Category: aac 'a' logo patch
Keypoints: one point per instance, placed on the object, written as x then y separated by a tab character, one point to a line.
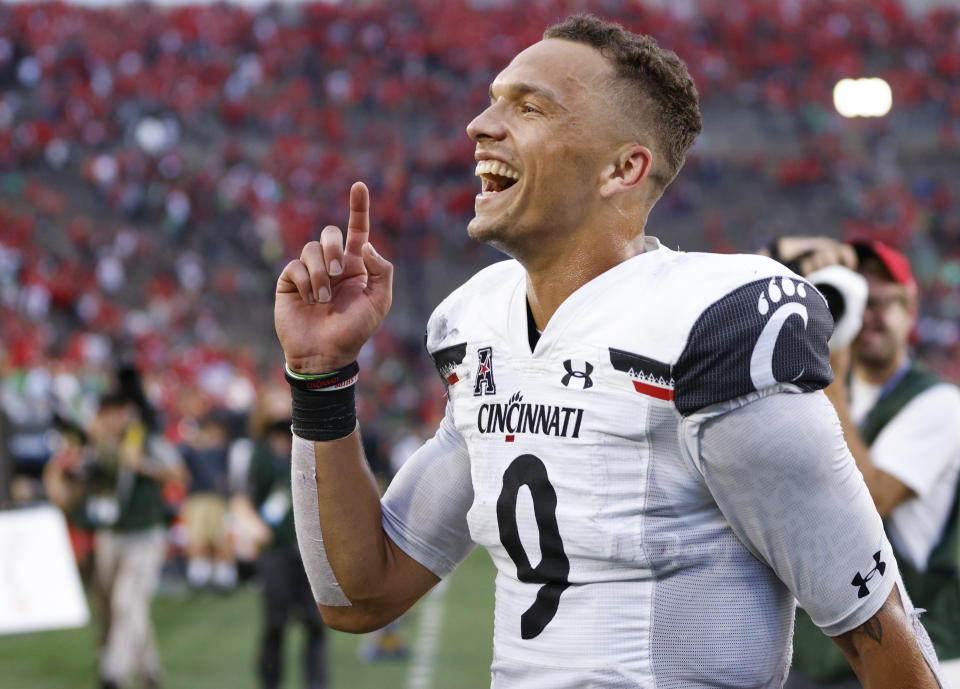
484	384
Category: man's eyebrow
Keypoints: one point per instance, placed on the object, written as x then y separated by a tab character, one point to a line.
518	89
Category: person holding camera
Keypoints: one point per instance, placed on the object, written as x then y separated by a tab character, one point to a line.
111	484
901	424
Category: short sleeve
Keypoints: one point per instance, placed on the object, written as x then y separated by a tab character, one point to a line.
926	428
765	333
425	507
780	472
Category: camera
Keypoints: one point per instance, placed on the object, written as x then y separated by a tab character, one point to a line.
846	294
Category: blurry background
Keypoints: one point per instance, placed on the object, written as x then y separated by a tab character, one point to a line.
159	166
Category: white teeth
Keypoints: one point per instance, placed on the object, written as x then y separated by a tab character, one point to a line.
495	167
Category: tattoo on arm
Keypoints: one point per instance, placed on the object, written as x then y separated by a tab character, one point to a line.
871	628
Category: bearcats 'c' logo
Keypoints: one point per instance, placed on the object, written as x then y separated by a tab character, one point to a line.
485	384
761	360
765	332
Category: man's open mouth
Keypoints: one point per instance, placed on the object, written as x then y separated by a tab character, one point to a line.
495	176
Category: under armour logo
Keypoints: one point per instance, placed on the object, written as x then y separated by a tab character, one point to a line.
585	374
861	581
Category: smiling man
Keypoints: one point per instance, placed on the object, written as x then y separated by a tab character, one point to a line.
636	435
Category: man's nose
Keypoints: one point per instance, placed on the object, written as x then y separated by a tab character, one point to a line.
487	125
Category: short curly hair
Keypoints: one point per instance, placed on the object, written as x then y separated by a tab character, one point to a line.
652	82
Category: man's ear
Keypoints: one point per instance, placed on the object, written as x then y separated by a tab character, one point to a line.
631	166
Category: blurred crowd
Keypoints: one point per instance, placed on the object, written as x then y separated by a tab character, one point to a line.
159	166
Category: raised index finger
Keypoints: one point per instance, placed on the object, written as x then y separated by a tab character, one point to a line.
358	227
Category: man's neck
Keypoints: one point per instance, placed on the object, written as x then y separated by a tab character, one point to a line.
878	374
549	284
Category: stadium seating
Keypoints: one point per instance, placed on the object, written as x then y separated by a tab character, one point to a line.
159	166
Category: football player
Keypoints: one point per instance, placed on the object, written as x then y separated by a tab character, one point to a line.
636	435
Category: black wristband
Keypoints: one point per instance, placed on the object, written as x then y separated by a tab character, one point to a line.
324	406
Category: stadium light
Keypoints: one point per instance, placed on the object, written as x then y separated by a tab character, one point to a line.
155	135
862	97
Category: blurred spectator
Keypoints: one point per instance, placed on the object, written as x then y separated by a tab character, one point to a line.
266	511
210	556
900	422
112	485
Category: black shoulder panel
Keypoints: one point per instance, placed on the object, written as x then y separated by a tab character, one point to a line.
765	332
449	358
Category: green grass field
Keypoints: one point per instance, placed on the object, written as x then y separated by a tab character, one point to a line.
209	641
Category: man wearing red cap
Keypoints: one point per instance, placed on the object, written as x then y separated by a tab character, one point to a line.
901	424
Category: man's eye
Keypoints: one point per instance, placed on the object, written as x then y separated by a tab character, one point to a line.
527	108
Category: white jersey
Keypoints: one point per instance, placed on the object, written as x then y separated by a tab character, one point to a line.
645	531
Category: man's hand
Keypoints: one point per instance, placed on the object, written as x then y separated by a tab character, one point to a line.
331	299
813	253
250	521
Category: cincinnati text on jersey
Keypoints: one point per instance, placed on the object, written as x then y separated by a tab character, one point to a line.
517	416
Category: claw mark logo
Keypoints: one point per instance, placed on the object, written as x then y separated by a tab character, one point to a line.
761	361
485	384
764	332
861	581
583	375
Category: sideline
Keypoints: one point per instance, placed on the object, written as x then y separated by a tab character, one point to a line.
424	658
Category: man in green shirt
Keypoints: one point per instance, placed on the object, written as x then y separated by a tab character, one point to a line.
266	507
900	422
112	485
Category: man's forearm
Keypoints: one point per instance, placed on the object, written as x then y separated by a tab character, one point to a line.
348	503
884	651
887	492
837	394
306	512
360	579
